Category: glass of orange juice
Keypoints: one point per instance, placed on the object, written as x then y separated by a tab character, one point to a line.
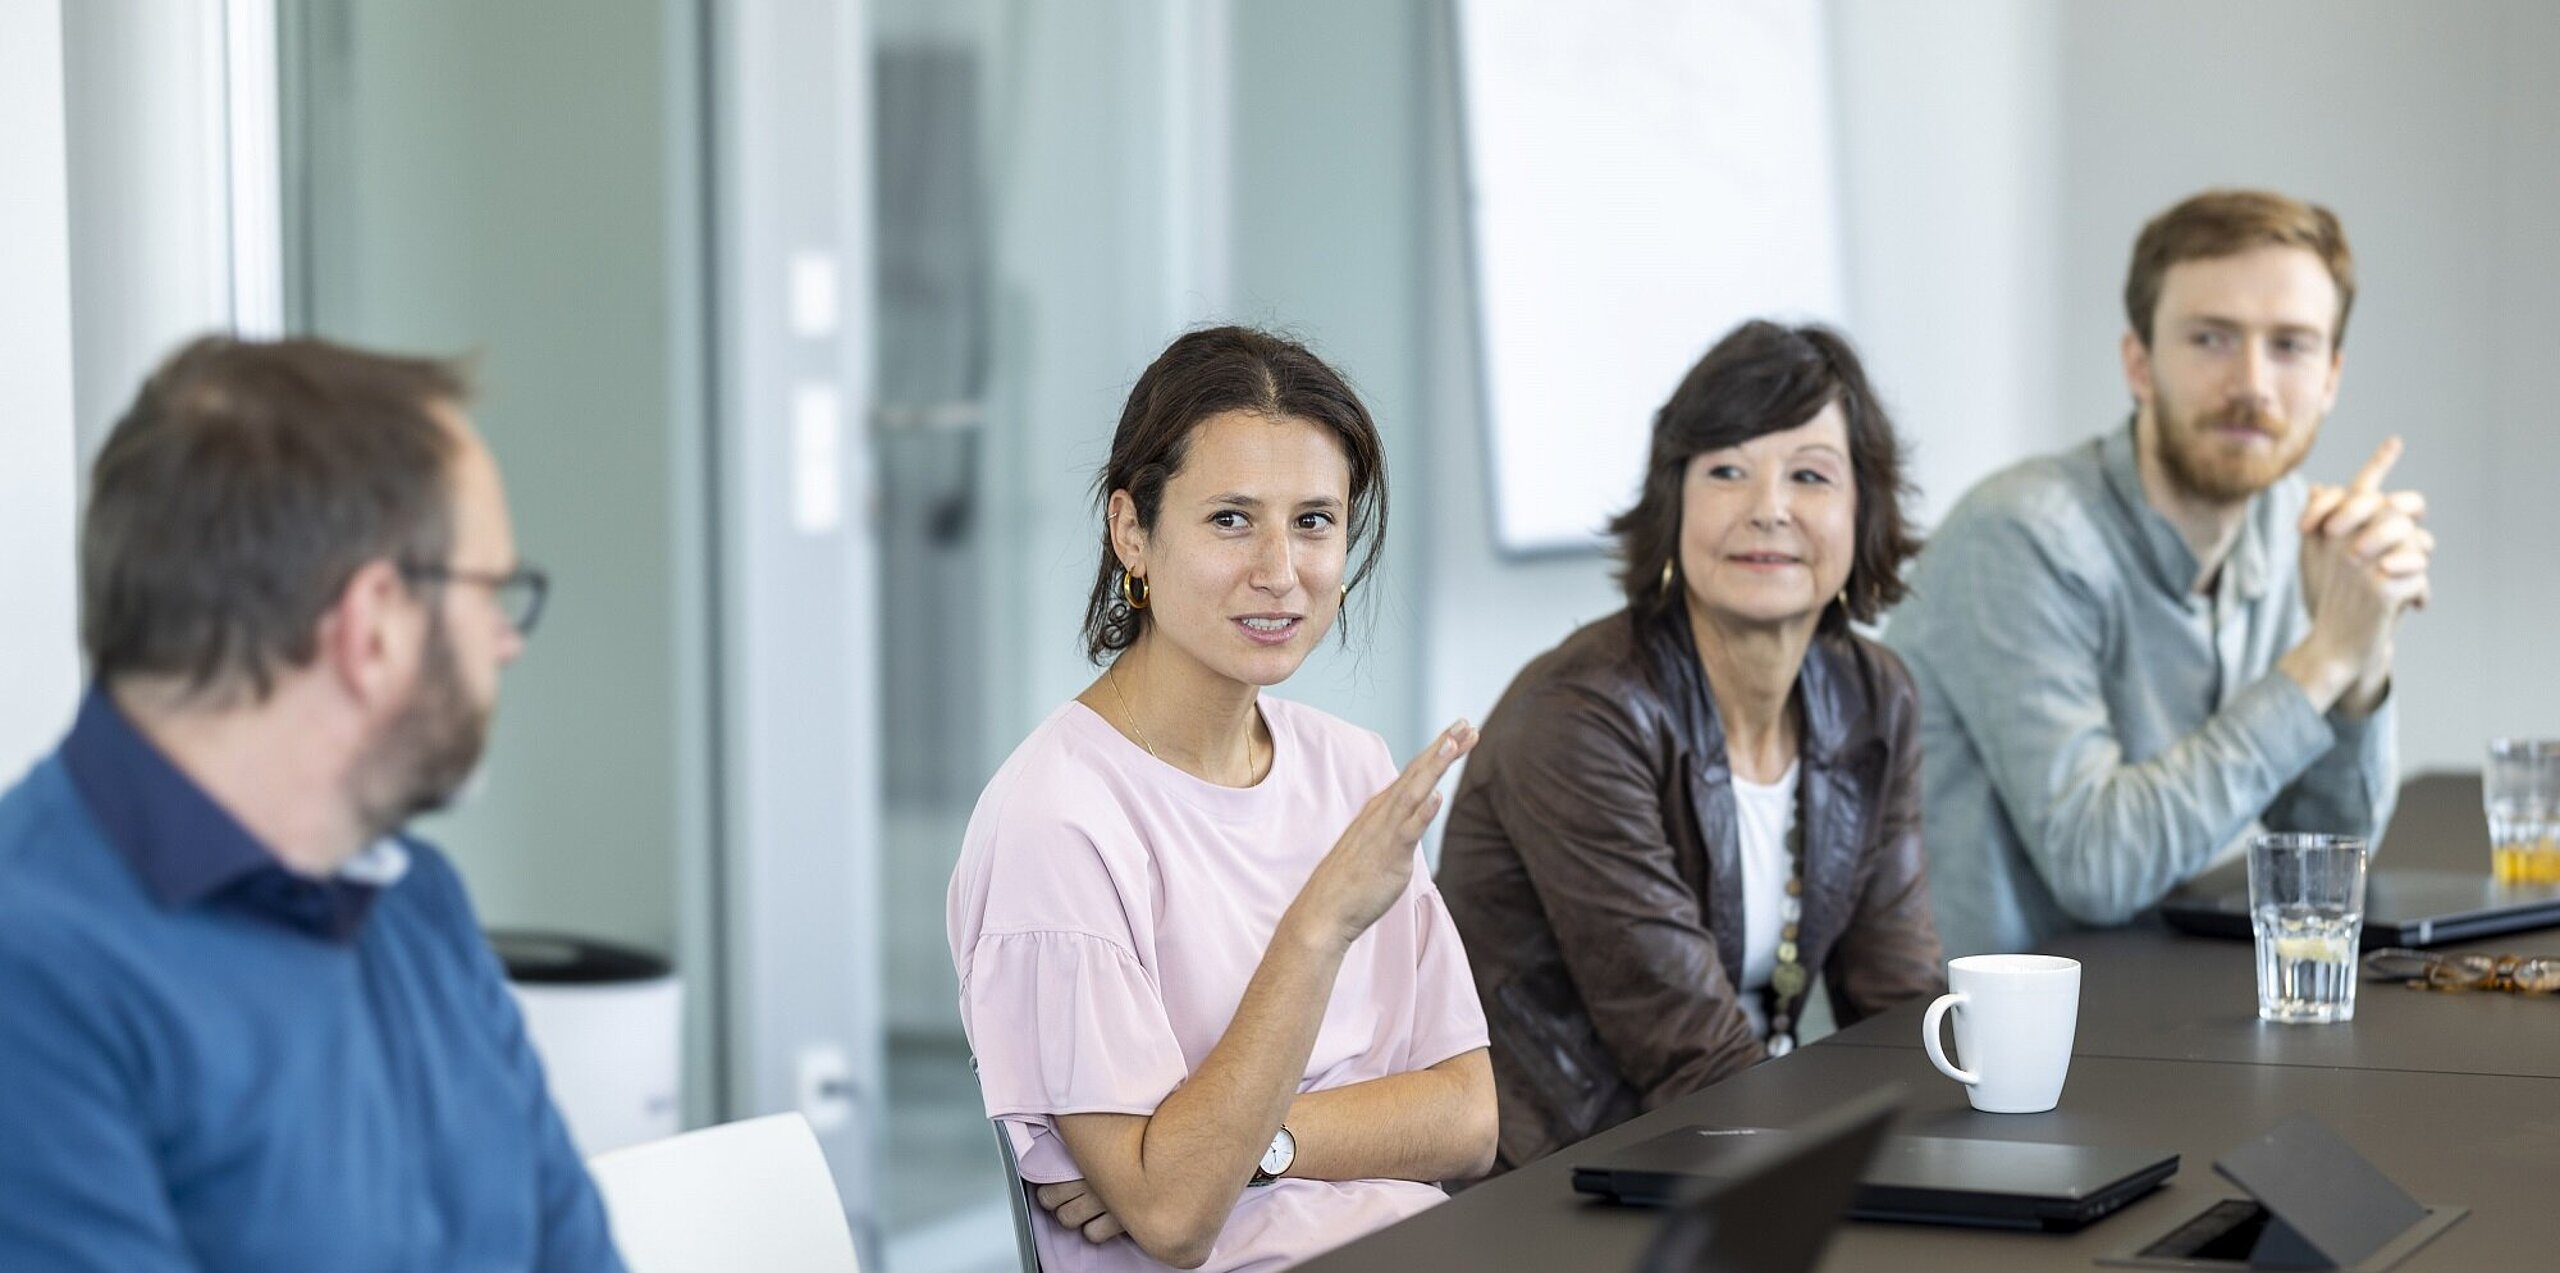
2521	790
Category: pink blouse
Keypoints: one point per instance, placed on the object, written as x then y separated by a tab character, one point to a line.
1106	914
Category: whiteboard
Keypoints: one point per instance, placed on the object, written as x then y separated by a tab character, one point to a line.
1643	175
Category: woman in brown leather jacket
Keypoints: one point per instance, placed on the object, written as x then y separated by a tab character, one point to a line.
1687	812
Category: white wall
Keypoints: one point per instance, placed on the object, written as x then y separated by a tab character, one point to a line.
2518	689
39	650
1950	172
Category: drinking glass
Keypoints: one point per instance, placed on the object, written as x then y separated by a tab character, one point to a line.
2521	793
2306	908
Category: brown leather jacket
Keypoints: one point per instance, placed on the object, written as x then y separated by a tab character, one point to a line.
1591	863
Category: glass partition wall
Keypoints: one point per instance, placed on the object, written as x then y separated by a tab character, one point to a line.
943	1200
647	225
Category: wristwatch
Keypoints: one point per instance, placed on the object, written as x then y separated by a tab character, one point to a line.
1276	1160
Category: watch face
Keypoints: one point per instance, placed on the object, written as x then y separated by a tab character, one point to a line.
1283	1151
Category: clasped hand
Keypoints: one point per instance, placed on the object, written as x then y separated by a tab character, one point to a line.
2365	553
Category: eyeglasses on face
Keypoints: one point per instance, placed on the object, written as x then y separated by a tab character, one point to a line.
520	592
2521	974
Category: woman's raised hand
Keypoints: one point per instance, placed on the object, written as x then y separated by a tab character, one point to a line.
1369	867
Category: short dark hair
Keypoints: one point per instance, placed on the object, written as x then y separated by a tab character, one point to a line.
244	487
1766	378
2222	223
1207	373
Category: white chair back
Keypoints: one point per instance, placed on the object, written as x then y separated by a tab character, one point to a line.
754	1194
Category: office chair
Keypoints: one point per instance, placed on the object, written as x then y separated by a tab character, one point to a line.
1026	1247
754	1194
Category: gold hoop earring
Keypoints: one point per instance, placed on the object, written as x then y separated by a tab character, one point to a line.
1666	576
1345	598
1134	590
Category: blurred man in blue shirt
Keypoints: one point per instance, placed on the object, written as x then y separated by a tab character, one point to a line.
2132	652
245	1023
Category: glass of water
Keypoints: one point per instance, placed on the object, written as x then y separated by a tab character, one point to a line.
2306	906
2521	792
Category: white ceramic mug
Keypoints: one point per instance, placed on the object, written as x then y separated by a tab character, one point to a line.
2014	1019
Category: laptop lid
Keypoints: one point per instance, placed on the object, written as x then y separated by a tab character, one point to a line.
1774	1209
1922	1179
2403	906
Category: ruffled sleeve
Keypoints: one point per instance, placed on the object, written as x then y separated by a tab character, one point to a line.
1064	1023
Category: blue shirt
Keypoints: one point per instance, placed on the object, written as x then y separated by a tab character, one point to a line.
2093	729
210	1063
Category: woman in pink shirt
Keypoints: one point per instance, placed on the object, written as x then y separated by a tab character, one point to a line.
1215	1003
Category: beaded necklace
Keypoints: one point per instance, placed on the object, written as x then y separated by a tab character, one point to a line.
1784	997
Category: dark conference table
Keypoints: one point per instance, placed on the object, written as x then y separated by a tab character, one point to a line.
2456	1097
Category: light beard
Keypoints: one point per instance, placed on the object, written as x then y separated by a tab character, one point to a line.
429	754
2199	464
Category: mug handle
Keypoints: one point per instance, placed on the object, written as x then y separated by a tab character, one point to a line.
1937	1050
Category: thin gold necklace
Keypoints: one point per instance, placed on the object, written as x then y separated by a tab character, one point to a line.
1112	674
1128	712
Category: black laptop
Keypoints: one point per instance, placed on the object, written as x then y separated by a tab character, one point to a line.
2403	906
1774	1210
1999	1184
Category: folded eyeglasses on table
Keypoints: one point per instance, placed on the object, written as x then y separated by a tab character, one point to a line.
2426	970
